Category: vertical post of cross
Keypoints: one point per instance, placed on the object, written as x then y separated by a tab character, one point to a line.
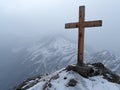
81	35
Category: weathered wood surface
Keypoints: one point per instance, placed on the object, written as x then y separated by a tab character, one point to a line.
93	23
71	25
86	24
81	25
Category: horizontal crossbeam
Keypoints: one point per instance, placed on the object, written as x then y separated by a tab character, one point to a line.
71	25
86	24
93	23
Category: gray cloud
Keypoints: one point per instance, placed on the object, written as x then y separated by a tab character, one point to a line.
31	18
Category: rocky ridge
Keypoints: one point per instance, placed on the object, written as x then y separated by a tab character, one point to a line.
85	71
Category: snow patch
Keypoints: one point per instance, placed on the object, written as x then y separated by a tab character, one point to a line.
61	83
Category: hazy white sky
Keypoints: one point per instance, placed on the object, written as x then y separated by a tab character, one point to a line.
40	17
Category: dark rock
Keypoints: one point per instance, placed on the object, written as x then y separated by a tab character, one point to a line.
84	71
72	82
55	77
65	78
50	85
90	70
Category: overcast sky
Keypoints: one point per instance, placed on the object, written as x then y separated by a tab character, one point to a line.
31	18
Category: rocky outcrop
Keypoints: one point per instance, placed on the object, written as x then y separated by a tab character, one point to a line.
90	70
85	70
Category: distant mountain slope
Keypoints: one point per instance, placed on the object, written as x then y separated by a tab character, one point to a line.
51	54
108	59
54	53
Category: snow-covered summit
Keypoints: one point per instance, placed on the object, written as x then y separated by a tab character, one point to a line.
93	83
70	79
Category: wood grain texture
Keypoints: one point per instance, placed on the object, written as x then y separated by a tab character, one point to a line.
81	25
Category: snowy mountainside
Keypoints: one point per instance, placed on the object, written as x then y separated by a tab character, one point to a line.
71	80
48	55
54	53
108	59
51	54
93	83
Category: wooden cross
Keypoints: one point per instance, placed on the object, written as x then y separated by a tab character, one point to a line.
81	25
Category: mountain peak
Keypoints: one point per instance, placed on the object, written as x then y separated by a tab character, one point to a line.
88	77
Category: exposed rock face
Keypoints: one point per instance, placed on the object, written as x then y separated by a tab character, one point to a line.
90	70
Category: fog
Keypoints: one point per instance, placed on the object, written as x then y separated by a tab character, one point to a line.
26	21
